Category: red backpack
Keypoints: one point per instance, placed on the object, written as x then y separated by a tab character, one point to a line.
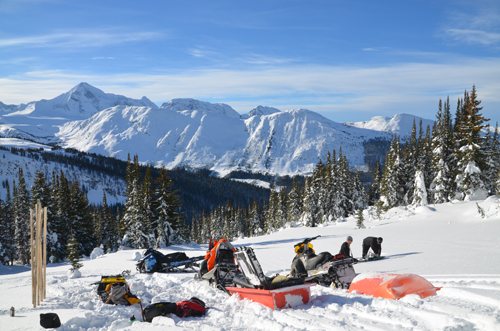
191	307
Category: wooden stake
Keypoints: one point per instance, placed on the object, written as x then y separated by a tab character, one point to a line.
44	253
32	262
39	251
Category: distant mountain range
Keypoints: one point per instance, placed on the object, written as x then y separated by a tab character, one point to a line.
195	134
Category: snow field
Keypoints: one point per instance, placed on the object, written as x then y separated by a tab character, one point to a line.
450	245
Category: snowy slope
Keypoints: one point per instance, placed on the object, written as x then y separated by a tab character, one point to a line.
449	244
399	124
287	142
94	183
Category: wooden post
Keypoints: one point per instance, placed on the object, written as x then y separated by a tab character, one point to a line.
33	280
38	254
44	252
39	222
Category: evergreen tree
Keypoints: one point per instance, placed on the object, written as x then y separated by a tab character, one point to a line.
80	219
360	219
442	156
390	186
148	215
294	208
358	193
169	217
471	153
22	204
132	214
420	196
374	193
73	249
7	230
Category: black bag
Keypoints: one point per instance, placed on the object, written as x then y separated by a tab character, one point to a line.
158	309
50	320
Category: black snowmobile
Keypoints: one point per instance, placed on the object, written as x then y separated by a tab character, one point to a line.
323	268
155	261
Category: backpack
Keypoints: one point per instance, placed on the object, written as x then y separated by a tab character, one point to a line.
115	290
50	320
158	309
192	307
119	294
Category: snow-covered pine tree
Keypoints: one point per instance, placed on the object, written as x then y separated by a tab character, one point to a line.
420	196
80	219
358	192
272	210
426	158
495	161
471	152
390	186
442	155
148	213
132	215
22	204
294	208
167	206
492	163
57	226
344	186
360	219
7	230
281	215
73	249
374	193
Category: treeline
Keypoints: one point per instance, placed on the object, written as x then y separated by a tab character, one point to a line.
199	189
453	160
68	211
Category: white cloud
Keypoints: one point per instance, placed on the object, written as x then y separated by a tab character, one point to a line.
382	90
79	39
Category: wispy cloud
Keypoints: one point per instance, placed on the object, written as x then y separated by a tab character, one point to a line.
474	36
79	39
383	90
480	25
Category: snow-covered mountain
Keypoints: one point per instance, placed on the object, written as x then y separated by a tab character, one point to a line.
259	111
193	133
399	124
39	120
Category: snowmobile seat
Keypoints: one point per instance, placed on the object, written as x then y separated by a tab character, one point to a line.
313	260
252	275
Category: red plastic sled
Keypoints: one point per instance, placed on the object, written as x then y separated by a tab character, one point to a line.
285	297
392	286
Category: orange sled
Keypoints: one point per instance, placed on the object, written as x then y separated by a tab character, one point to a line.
392	286
286	297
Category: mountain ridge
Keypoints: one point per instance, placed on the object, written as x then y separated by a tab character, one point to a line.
190	133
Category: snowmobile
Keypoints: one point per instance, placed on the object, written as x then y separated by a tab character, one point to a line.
154	261
323	268
218	266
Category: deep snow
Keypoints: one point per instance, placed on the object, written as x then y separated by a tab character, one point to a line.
448	244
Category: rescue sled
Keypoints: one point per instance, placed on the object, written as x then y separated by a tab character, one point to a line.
155	261
274	292
392	286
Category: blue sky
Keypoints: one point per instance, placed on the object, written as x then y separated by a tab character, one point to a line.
347	60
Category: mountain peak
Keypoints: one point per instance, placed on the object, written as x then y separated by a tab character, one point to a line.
189	104
260	111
